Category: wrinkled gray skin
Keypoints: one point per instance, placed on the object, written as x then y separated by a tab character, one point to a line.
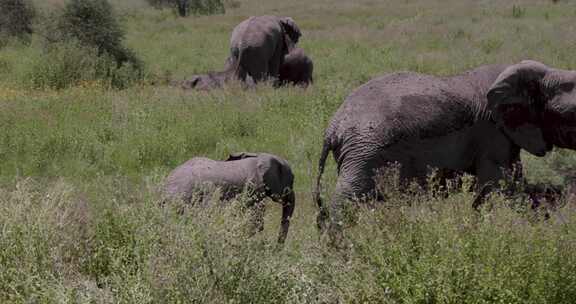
265	175
296	69
475	122
258	46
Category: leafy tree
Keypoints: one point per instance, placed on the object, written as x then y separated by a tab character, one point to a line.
16	18
187	7
93	23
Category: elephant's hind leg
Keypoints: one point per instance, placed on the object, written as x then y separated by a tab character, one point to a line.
274	66
358	187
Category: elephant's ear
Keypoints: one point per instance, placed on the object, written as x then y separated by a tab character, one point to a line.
240	155
516	103
291	30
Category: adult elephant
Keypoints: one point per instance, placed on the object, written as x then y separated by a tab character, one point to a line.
475	122
263	174
258	45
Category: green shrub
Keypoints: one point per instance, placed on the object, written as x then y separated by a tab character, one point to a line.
195	7
84	42
93	23
161	3
206	7
15	19
67	64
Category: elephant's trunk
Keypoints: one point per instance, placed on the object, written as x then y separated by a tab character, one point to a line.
288	204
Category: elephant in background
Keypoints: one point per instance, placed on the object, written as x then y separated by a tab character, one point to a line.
296	69
205	82
263	174
212	80
258	46
476	122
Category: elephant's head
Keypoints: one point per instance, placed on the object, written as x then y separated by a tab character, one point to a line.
206	82
278	182
291	32
192	82
535	105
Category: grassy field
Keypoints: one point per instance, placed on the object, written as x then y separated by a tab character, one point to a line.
80	168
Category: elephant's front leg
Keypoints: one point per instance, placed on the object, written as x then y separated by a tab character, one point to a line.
489	174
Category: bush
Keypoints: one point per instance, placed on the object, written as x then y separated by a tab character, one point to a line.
161	3
71	63
15	19
85	43
206	7
92	22
195	7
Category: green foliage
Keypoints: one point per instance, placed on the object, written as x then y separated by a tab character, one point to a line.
81	168
85	43
116	243
67	64
195	7
206	7
162	3
16	18
92	22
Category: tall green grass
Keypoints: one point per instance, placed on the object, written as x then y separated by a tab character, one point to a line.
81	168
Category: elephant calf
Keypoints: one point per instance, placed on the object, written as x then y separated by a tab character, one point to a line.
265	175
211	80
296	69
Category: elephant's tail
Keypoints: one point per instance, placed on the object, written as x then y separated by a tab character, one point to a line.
322	162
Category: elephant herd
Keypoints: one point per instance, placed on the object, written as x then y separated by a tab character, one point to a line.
261	48
476	122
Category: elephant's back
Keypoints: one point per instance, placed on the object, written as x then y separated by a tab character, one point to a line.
403	105
255	31
181	181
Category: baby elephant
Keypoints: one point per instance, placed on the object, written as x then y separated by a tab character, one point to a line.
263	174
296	69
210	80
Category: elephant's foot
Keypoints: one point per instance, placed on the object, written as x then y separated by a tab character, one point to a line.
336	238
481	196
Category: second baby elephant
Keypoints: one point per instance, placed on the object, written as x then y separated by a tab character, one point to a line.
263	174
296	69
